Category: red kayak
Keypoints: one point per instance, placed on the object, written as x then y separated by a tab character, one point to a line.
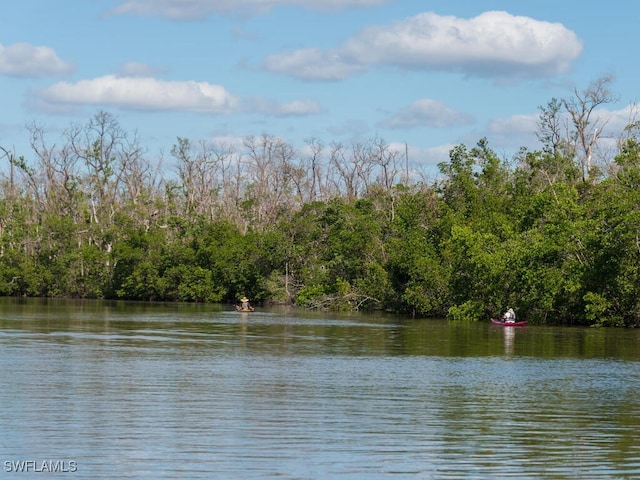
521	323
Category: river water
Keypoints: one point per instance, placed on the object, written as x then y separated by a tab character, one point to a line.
124	390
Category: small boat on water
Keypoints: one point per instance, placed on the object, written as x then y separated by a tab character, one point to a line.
244	309
502	323
244	306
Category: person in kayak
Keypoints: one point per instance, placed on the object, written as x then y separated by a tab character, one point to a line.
509	316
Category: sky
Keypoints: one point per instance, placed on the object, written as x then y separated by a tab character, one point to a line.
419	75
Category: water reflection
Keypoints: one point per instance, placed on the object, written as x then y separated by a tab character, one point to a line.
198	392
509	337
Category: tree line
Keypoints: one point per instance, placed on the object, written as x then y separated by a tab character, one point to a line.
554	233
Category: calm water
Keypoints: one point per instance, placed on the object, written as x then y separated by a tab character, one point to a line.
105	390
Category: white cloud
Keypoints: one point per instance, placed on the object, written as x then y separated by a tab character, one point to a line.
146	93
514	132
428	113
618	120
313	64
299	107
514	124
198	9
25	60
493	44
272	108
140	93
228	141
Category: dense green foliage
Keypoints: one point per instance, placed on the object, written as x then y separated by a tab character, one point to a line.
340	227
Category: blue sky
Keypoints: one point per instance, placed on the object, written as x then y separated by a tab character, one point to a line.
425	74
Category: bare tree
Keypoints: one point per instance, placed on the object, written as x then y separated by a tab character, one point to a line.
200	169
587	126
101	145
386	161
226	165
11	157
349	168
317	187
269	190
